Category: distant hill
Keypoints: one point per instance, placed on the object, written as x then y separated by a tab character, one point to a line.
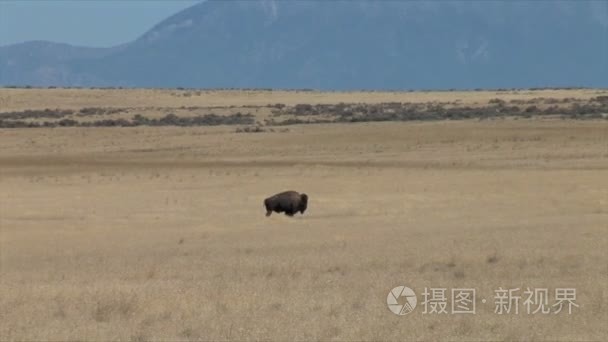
340	45
45	63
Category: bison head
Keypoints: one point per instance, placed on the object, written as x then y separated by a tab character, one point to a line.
303	203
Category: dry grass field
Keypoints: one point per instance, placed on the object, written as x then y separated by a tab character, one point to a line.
159	233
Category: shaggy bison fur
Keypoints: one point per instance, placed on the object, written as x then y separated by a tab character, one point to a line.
289	202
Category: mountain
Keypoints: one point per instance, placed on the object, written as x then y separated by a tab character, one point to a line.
46	63
342	45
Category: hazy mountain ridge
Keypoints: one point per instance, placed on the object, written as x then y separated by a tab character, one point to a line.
45	63
340	45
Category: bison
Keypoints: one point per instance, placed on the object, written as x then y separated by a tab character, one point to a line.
289	202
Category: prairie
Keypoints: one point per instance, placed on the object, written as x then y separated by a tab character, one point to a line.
159	233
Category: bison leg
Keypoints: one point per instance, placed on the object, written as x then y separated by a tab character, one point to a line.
291	211
268	212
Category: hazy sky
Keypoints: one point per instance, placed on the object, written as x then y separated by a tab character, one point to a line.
97	23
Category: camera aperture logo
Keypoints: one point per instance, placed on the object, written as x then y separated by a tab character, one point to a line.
401	300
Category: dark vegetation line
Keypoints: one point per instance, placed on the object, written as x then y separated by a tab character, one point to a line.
137	120
568	108
595	108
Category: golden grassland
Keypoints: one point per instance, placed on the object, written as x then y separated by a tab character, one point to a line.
159	233
20	98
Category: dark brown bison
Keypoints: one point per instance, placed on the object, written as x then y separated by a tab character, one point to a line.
289	202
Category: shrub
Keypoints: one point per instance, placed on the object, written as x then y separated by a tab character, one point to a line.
67	123
532	109
602	99
497	102
303	109
251	129
36	114
91	111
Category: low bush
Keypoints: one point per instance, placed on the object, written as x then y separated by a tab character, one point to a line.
37	114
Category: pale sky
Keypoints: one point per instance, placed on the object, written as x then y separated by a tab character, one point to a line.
95	23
